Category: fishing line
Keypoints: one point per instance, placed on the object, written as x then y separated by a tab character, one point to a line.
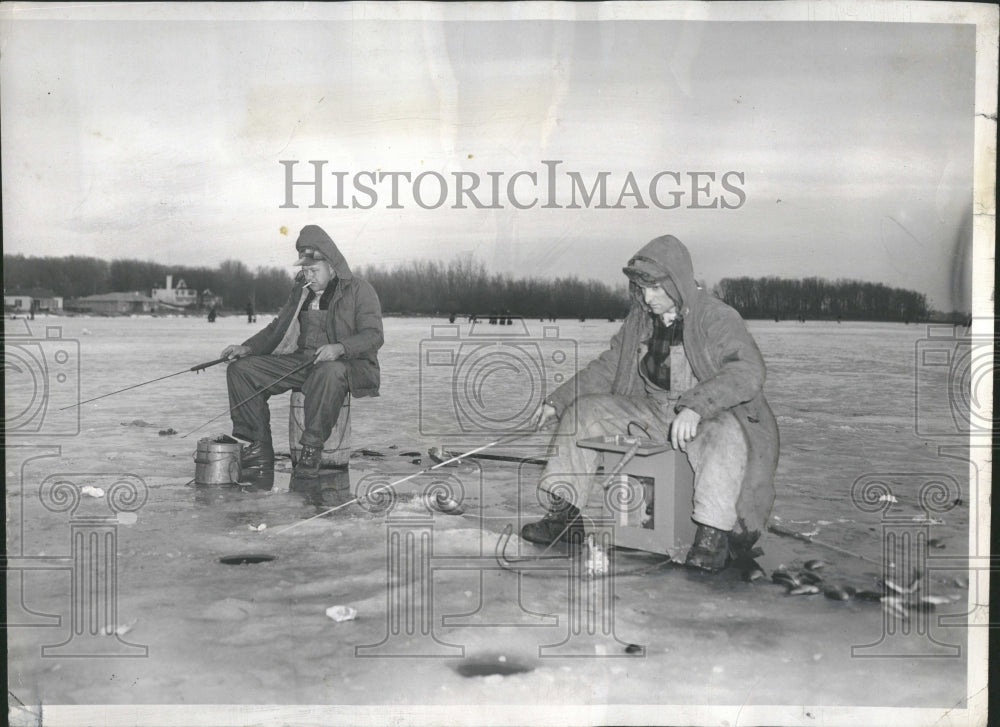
456	458
197	368
256	393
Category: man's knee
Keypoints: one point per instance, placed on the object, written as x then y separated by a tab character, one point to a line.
722	430
720	441
331	375
241	369
588	407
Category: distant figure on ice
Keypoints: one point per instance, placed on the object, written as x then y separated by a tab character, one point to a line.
250	313
720	420
331	318
211	314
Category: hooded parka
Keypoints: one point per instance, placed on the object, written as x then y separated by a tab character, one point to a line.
724	359
354	318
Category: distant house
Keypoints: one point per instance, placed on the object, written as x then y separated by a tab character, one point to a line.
112	304
210	299
38	300
179	295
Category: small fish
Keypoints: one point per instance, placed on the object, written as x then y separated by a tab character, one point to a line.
367	453
789	581
415	461
920	606
839	593
936	543
804	590
914	585
814	565
873	596
810	577
893	605
633	649
940	600
409	454
961	582
752	572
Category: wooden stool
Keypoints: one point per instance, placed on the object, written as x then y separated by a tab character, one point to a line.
656	472
337	449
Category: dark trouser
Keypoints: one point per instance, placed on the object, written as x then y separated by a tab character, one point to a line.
324	386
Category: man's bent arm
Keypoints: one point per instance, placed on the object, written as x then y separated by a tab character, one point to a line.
264	341
741	376
367	324
595	378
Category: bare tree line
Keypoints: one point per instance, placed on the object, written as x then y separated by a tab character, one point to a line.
463	287
815	298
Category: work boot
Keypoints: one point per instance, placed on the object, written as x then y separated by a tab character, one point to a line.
307	467
561	522
710	549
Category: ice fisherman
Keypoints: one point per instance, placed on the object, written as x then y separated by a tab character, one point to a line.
722	422
331	318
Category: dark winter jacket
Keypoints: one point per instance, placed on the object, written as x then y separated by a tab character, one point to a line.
724	359
354	318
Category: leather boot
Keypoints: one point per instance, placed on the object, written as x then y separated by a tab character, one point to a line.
562	522
710	550
307	467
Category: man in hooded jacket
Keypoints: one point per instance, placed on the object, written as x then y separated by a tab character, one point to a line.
722	422
323	343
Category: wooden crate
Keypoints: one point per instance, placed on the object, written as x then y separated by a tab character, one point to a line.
657	467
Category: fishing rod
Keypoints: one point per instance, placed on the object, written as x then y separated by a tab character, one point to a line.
503	440
259	391
197	369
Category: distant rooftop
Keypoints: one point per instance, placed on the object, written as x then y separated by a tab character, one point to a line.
33	293
116	297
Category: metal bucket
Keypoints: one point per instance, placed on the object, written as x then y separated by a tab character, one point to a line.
217	462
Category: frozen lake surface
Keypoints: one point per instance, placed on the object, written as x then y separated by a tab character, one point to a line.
845	397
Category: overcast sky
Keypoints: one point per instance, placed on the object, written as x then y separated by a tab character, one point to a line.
161	140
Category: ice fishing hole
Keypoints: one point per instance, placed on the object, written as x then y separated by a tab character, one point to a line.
246	559
485	665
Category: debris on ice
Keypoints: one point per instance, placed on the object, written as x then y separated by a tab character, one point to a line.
597	560
92	491
258	528
341	613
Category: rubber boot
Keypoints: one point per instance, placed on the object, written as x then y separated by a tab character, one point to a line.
257	465
710	550
562	522
257	455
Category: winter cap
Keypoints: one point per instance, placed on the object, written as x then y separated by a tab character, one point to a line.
643	272
647	273
310	256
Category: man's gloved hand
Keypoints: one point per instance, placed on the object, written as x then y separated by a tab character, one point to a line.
543	414
235	351
684	428
329	352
